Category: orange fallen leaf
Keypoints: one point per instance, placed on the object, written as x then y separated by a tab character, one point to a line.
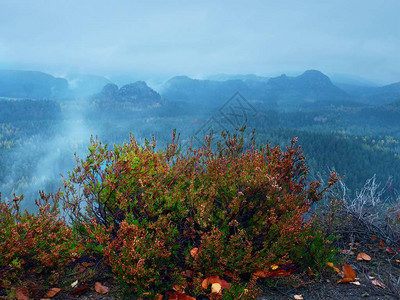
194	252
215	279
363	256
381	244
52	292
391	251
345	280
179	296
101	289
22	293
178	288
276	273
310	272
79	290
348	274
374	238
378	283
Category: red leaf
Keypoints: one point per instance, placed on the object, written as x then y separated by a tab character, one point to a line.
101	289
391	251
363	256
22	293
194	252
215	279
178	296
275	273
52	292
79	290
381	244
348	274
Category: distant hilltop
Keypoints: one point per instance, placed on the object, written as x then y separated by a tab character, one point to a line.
32	84
138	94
40	85
310	90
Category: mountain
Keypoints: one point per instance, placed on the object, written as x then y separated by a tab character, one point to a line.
137	94
310	90
373	95
32	85
357	91
183	88
385	94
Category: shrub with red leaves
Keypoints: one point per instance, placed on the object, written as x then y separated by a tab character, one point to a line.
243	209
34	241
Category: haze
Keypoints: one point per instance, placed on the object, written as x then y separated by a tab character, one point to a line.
199	38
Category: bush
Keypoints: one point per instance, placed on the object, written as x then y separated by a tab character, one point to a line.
175	219
38	242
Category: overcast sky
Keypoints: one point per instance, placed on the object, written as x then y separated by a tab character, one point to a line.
200	38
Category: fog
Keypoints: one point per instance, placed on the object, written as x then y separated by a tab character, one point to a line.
146	39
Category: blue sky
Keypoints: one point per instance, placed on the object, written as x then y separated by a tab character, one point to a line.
200	38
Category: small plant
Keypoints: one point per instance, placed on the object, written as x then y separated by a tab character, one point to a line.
34	241
168	220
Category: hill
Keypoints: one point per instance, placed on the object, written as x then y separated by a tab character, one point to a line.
310	90
137	94
32	85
